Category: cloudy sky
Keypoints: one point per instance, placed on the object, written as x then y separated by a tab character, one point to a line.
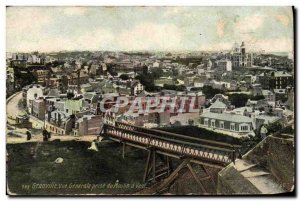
148	28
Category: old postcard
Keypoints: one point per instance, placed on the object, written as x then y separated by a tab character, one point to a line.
150	100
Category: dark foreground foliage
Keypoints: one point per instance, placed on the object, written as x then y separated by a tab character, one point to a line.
30	163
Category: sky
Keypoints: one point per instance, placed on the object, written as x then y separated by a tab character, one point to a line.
47	29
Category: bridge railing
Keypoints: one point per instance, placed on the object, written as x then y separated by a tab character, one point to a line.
178	136
176	143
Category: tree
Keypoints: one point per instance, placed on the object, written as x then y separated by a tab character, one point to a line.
70	95
63	83
274	127
261	109
83	64
211	92
57	63
281	98
259	97
124	77
174	87
111	70
238	100
196	89
249	142
23	77
157	73
113	73
147	81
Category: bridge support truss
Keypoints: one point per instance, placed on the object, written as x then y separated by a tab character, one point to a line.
186	164
157	166
161	146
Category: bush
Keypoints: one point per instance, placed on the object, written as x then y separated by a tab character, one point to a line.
238	100
124	77
24	77
211	92
274	128
174	87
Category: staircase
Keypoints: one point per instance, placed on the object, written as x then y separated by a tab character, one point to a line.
264	181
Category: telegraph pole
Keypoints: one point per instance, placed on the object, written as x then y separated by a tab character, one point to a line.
45	111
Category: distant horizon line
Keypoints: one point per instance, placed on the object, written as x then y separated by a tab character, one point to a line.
144	51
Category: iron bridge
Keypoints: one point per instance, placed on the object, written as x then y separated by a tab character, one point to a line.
188	149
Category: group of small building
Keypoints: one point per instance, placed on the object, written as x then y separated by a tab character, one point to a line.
76	115
256	115
67	96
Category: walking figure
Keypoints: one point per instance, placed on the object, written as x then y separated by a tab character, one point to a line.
28	135
45	135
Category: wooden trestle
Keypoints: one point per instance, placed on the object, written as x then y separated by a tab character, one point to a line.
162	146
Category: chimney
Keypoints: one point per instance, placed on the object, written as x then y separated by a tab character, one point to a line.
59	119
49	116
48	80
98	109
78	81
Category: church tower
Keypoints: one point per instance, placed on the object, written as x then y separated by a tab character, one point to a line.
243	59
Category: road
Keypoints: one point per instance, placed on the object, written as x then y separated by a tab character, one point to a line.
12	107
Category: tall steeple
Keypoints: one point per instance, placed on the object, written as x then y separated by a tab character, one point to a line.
243	48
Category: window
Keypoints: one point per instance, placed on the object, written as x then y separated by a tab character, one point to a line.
221	124
206	122
244	128
232	126
212	123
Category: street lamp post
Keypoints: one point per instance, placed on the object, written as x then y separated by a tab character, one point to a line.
45	111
